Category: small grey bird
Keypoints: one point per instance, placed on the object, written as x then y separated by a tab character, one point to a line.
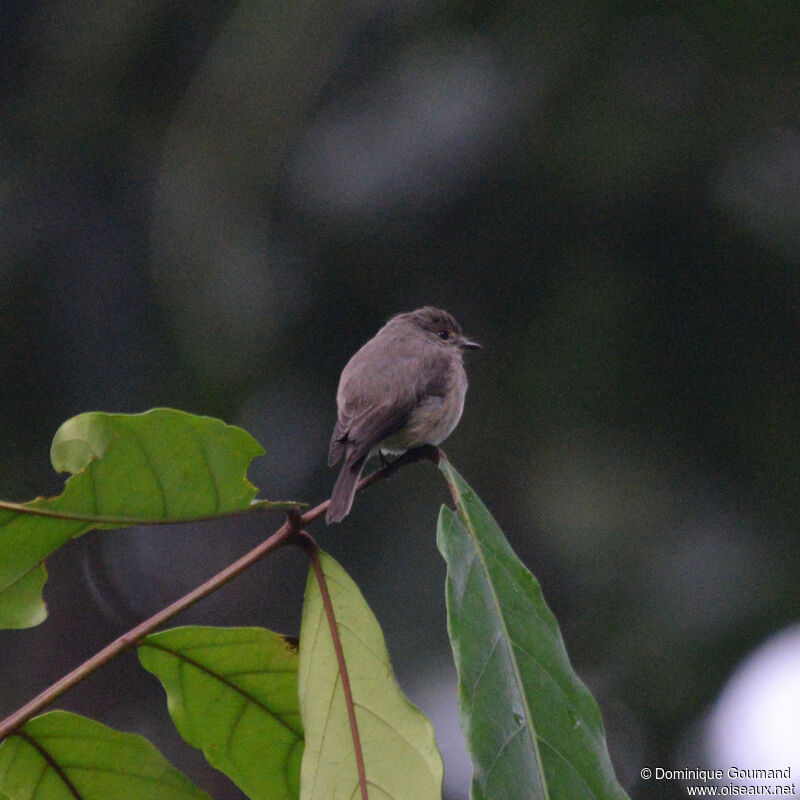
404	388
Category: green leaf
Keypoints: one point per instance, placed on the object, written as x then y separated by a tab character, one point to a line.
400	755
156	467
21	605
533	729
63	756
160	465
232	692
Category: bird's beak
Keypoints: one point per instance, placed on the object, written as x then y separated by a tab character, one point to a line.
468	344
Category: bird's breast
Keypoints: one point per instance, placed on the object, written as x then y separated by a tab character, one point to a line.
434	417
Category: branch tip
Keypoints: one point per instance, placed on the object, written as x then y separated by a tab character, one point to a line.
292	531
306	541
295	519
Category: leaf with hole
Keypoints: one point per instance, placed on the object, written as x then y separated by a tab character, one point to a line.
63	756
127	469
399	755
532	727
232	692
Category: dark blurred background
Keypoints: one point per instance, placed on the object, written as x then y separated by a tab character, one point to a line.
212	205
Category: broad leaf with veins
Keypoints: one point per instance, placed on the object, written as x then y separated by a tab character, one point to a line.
127	469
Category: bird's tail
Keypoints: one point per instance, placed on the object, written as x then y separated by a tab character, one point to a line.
344	491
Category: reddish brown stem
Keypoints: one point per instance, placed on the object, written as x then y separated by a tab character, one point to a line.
135	635
288	532
427	451
100	519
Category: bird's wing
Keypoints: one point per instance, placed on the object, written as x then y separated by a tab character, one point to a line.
374	426
338	443
379	389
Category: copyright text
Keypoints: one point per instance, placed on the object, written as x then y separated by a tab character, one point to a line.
732	782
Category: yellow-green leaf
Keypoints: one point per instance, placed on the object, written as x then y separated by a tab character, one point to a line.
21	605
160	466
63	756
401	760
232	692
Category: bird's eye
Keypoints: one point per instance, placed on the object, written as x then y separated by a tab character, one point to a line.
443	335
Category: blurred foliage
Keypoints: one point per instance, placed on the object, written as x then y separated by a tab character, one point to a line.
211	205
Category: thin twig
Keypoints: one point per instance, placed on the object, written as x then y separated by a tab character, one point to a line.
427	451
288	532
98	519
135	635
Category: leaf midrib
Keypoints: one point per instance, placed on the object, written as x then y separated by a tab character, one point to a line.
223	680
533	735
